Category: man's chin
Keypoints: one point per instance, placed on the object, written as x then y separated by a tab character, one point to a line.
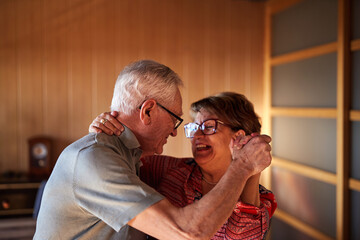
147	153
159	151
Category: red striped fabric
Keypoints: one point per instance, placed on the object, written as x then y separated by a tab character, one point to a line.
179	180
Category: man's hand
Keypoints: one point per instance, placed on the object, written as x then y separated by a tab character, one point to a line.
106	122
252	153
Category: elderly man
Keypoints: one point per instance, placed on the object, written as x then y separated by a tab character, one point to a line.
94	191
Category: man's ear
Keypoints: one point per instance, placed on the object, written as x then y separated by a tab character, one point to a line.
239	133
146	111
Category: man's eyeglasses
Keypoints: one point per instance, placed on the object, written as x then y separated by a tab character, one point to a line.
178	121
208	127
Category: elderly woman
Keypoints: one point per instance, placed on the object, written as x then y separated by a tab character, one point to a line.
216	120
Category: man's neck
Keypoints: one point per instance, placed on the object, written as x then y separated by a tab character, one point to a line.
137	128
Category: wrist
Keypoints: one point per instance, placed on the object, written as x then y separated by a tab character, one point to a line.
241	163
240	171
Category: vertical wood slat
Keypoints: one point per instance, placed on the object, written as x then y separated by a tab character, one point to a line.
238	51
267	88
29	74
56	71
103	43
9	149
216	56
343	107
80	88
172	45
193	58
247	78
257	55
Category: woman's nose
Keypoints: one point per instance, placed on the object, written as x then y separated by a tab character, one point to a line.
198	133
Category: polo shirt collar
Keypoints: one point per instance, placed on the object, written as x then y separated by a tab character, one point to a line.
129	139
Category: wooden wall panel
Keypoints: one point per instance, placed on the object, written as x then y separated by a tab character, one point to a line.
246	41
29	36
172	45
9	159
81	57
56	73
59	61
216	36
193	64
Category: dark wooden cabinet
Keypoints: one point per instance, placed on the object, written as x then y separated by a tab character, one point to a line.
17	197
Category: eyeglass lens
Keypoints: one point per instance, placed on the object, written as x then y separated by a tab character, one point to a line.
177	123
208	127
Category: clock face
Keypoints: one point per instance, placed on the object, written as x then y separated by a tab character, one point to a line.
39	151
40	164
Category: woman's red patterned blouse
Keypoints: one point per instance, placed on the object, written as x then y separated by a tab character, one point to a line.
179	180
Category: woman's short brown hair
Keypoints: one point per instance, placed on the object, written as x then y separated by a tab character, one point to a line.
232	108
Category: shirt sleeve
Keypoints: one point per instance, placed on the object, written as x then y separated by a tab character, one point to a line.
248	221
106	186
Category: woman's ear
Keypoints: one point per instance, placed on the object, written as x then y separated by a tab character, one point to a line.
239	133
146	111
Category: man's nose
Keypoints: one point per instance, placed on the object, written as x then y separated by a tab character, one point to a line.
174	133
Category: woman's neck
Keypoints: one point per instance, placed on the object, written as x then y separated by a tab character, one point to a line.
210	177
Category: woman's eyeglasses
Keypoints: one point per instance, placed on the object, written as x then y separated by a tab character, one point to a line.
208	127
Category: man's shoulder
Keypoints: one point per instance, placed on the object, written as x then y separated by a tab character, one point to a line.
100	143
83	142
94	146
98	140
106	140
109	150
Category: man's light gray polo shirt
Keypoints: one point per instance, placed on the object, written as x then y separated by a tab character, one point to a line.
94	190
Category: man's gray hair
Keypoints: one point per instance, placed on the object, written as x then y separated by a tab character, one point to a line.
143	80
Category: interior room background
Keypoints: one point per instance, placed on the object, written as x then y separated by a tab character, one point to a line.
297	61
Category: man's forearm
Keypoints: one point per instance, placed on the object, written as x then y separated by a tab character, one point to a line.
216	205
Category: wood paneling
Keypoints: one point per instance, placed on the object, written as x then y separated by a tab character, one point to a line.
9	153
59	61
29	72
57	72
